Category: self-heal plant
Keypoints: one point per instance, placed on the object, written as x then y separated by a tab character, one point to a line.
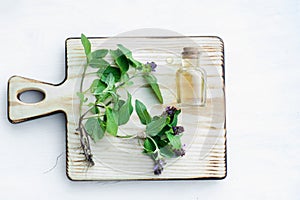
107	110
161	141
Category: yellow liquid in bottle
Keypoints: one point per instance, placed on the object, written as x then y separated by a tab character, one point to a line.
190	84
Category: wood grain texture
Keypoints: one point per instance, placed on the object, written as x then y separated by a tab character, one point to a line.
119	159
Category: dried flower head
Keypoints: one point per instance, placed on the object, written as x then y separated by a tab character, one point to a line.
158	167
170	110
179	152
152	65
178	129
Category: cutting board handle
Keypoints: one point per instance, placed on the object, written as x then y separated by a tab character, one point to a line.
19	111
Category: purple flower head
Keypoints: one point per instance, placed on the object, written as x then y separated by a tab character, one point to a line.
170	110
177	129
179	152
158	167
153	66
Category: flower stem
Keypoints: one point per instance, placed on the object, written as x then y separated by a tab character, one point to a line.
156	147
92	116
84	139
81	86
130	78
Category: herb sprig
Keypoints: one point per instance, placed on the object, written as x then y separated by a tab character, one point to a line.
108	110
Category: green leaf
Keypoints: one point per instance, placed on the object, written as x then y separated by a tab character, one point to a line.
125	51
119	104
111	123
110	81
110	70
86	44
99	63
167	151
125	111
149	146
94	129
174	140
128	54
163	131
155	126
152	81
95	110
142	112
81	97
94	85
97	87
120	60
100	53
175	118
161	141
135	63
124	77
102	97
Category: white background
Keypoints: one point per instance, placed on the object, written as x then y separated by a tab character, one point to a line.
262	46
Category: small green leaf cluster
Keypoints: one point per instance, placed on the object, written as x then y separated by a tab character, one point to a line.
163	136
112	76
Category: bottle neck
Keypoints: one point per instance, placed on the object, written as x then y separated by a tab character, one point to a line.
190	62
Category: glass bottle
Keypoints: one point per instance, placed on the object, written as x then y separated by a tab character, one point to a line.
191	79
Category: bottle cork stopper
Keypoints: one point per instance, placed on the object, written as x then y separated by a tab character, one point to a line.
190	52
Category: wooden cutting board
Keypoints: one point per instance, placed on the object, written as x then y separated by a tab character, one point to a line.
119	159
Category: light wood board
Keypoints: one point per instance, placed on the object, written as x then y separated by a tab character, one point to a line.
119	159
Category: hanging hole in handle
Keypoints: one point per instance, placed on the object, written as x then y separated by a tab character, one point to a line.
31	96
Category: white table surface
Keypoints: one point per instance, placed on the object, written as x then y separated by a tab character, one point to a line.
262	46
